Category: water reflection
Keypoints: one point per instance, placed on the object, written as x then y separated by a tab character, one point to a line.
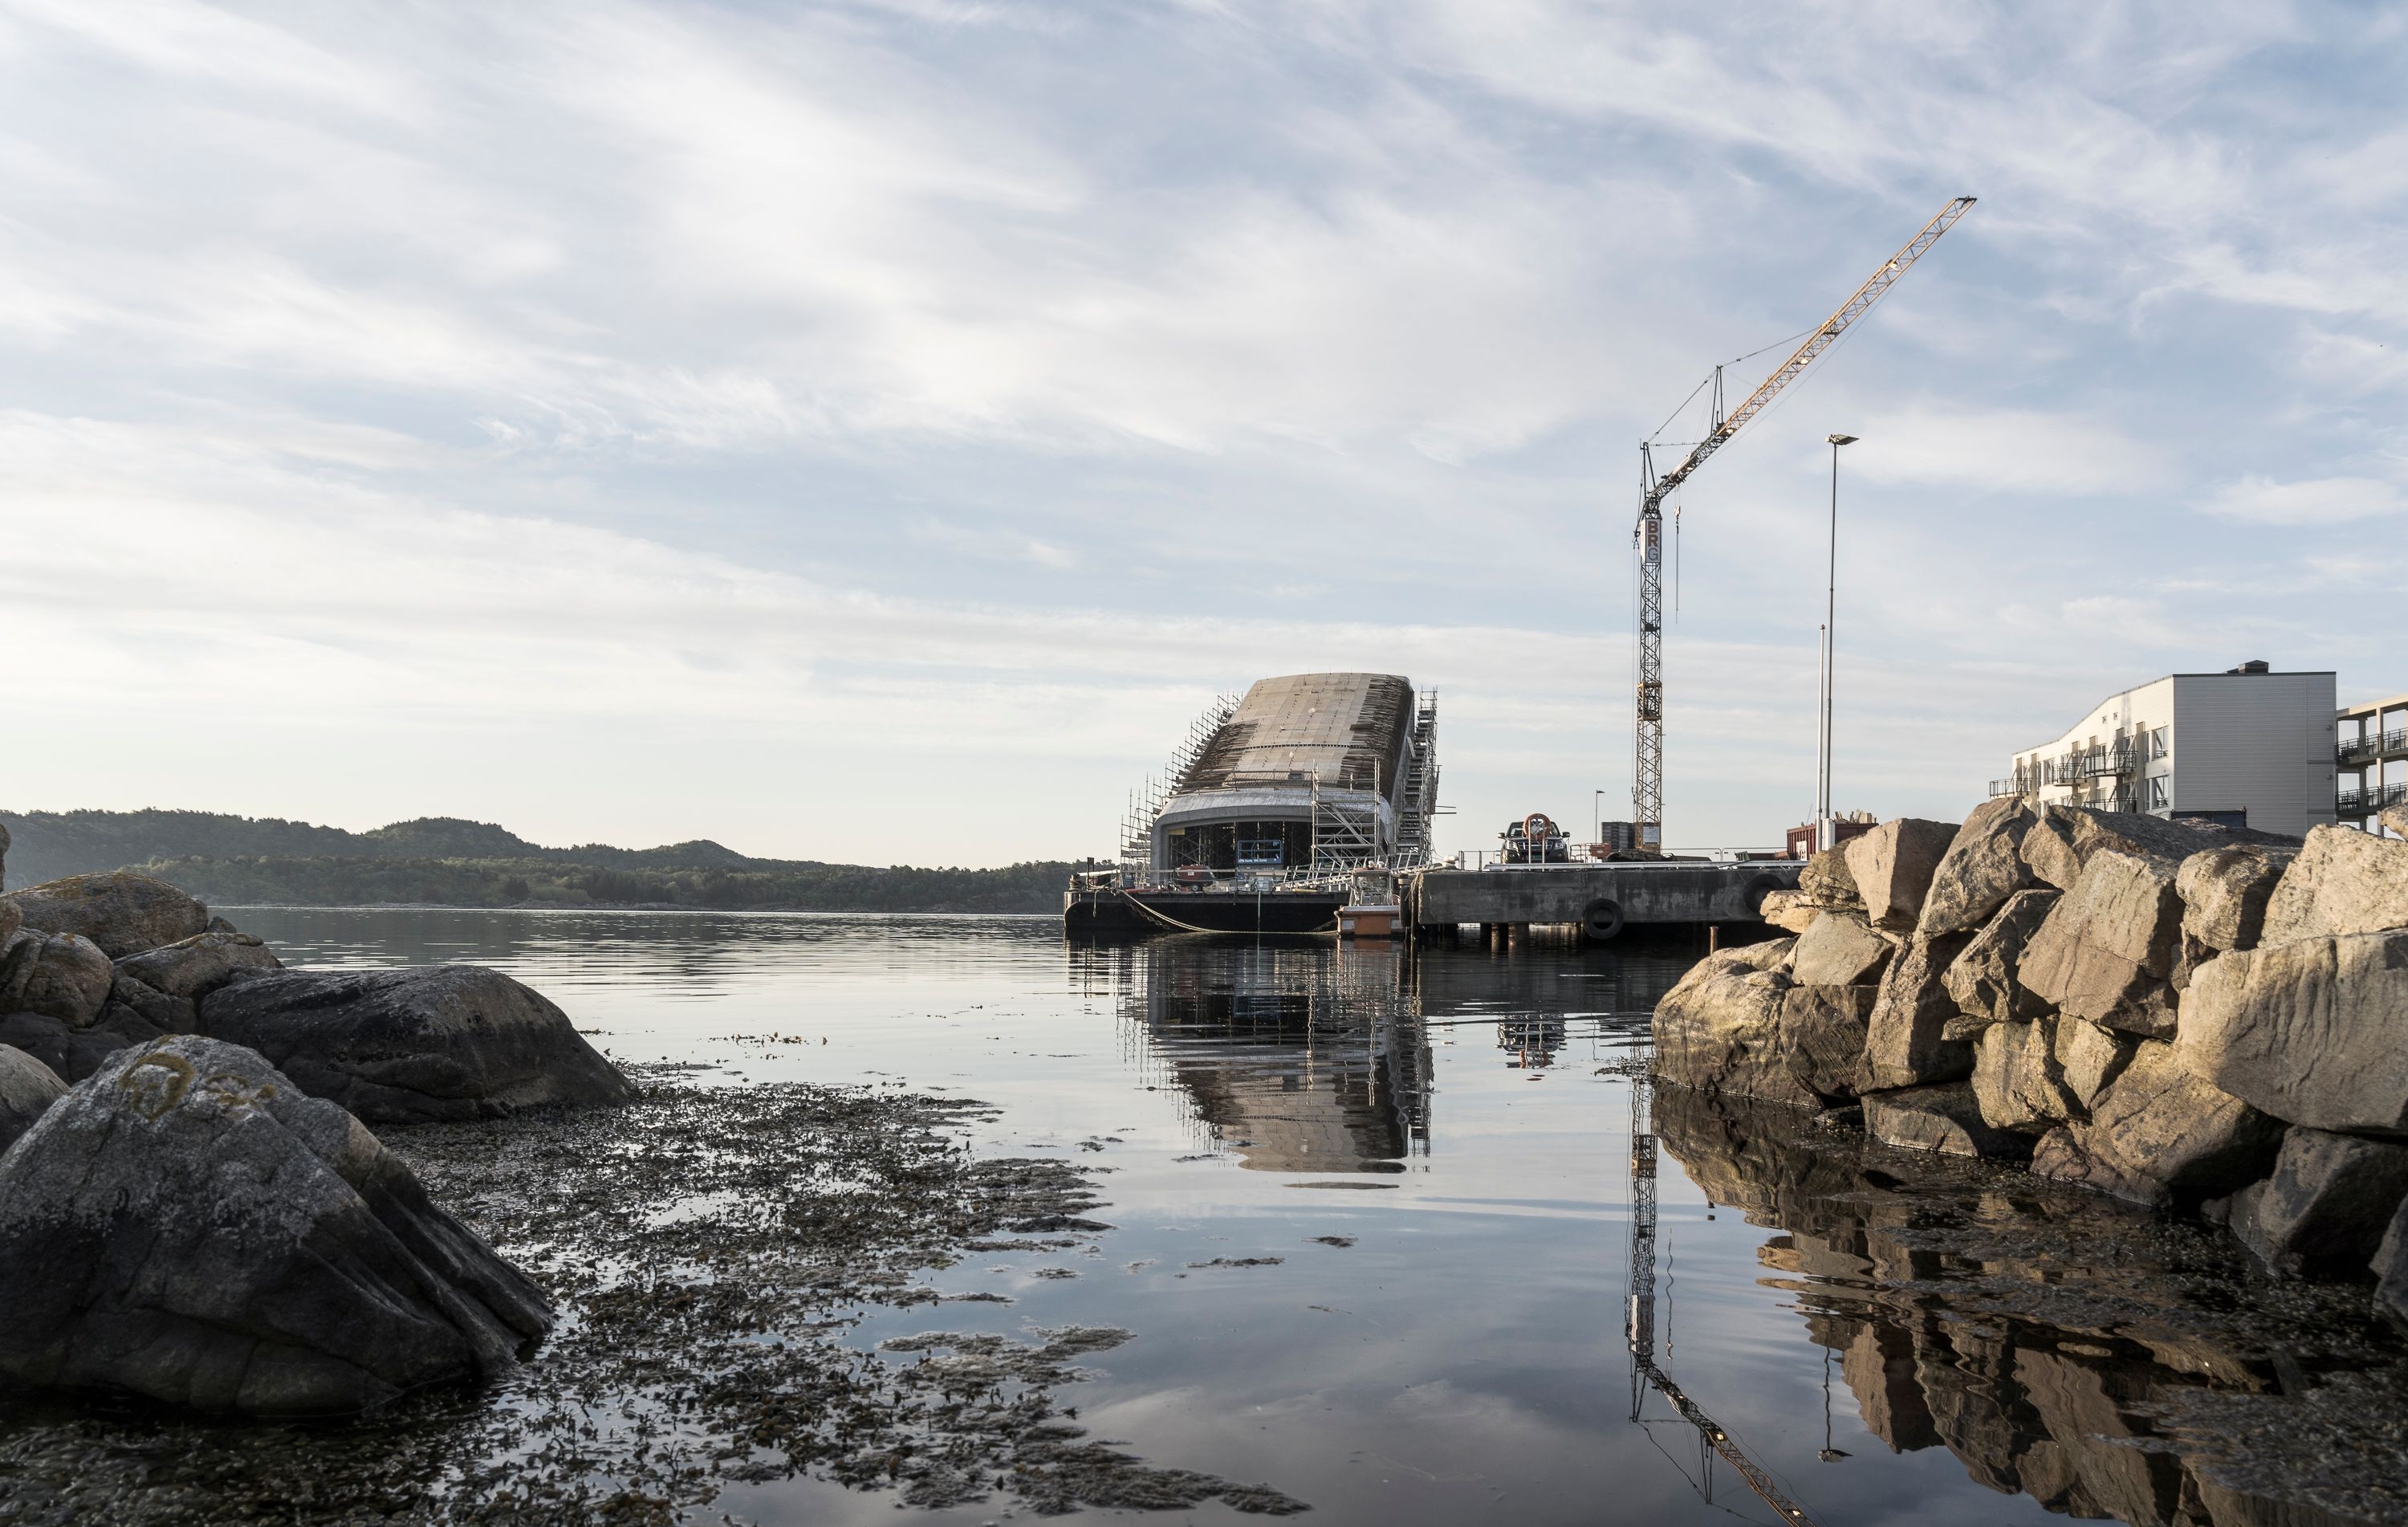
1296	1058
2060	1345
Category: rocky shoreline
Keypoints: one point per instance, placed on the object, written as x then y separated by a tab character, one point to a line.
549	1291
2208	1023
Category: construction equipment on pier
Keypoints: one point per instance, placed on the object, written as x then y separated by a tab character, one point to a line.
1647	537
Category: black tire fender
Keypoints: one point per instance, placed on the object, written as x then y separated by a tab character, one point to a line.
1601	920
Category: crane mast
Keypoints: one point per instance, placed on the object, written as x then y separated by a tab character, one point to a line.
1647	537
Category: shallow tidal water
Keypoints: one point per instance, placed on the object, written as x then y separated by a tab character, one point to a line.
1372	1230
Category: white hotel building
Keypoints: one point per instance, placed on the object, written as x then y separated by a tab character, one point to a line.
2248	747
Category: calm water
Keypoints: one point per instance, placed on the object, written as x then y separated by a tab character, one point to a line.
1466	1121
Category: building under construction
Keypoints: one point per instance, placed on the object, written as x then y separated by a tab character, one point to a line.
1273	802
1314	772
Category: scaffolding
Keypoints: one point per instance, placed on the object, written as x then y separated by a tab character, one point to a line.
1146	802
1417	802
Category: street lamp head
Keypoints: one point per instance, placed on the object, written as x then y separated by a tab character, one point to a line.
1843	439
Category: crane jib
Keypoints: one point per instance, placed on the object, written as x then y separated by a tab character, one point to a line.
1647	793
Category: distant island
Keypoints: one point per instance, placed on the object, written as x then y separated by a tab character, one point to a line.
446	861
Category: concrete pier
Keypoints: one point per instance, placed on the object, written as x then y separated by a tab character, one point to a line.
1601	899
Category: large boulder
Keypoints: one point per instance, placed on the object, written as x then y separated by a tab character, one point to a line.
2395	818
2088	1057
186	1225
2310	1031
1984	866
1838	949
2017	1081
169	1015
1892	867
2224	893
1826	880
1792	912
2324	1211
27	1089
1720	1031
122	912
2159	1135
195	967
2062	840
1947	1118
1986	980
2107	945
415	1045
1906	1043
2343	881
1822	1036
62	976
76	1051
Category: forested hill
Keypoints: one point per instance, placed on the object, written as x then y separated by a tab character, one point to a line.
235	860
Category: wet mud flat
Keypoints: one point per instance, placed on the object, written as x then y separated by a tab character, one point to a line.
710	1248
2108	1361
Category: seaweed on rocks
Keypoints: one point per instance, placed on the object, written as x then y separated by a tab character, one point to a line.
709	1250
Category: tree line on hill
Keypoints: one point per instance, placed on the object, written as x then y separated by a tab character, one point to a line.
234	860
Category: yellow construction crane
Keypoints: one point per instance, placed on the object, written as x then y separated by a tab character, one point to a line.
1647	779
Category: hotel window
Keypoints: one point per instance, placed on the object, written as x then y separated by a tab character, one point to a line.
2160	740
2157	792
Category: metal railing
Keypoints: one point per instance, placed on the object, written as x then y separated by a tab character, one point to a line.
2366	802
2357	749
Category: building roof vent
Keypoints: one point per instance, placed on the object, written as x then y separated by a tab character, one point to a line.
2255	665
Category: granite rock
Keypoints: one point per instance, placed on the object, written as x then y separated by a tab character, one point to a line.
2062	840
2343	882
2016	1078
1986	980
68	980
1892	867
2324	1211
1945	1118
185	1225
1839	949
2109	941
2224	892
1984	866
2310	1030
2160	1135
1906	1043
122	912
415	1045
195	967
27	1089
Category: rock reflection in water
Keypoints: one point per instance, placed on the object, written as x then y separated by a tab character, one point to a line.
2094	1357
1295	1057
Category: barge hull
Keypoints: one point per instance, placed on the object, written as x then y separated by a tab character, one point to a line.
1112	912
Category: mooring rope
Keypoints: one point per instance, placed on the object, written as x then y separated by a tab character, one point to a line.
1168	921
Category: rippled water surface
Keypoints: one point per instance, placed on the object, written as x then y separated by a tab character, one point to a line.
1462	1123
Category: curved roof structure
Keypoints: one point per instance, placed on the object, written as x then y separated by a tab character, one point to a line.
1349	728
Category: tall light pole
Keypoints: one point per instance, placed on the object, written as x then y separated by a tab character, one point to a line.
1827	832
1596	811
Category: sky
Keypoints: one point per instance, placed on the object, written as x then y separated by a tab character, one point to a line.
873	431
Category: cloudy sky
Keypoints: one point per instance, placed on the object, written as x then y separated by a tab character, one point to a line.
871	431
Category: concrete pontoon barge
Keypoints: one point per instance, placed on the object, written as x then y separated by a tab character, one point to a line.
1602	900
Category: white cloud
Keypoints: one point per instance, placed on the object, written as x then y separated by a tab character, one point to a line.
2007	451
2324	500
